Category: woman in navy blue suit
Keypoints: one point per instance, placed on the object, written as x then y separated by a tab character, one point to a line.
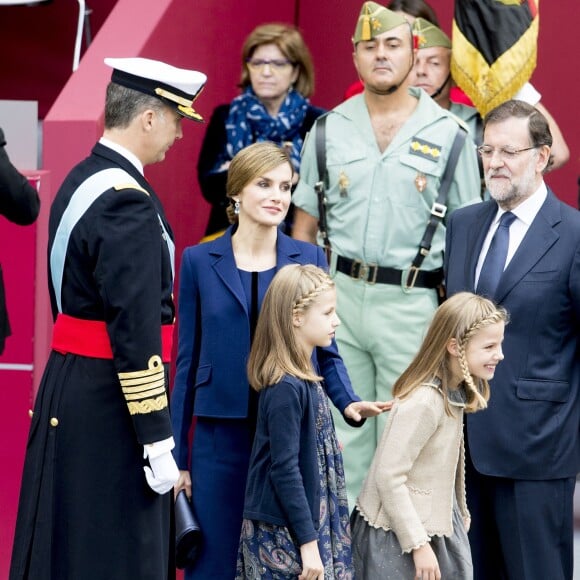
222	284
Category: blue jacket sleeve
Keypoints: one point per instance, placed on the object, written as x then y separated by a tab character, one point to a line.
332	368
189	334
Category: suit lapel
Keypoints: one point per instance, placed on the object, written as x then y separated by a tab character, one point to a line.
539	238
224	265
476	236
287	251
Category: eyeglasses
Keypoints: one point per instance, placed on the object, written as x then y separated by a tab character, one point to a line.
276	64
506	153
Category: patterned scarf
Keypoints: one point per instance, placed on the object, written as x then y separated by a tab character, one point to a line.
249	122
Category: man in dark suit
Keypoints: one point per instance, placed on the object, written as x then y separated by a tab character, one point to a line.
524	451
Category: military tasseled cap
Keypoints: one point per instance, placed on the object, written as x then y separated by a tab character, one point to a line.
176	87
375	19
427	35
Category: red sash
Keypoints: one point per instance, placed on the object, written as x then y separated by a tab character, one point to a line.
90	338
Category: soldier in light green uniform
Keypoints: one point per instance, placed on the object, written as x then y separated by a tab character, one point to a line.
386	151
470	117
432	73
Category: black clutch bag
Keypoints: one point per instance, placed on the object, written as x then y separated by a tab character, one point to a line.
187	532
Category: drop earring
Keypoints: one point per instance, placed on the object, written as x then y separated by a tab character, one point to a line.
237	208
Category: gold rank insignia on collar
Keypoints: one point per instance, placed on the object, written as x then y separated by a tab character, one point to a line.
425	149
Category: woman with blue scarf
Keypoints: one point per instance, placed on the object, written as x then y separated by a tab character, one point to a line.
277	79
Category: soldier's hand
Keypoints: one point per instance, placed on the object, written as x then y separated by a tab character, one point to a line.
363	409
163	473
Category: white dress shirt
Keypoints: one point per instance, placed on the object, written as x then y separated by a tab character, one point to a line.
124	152
525	214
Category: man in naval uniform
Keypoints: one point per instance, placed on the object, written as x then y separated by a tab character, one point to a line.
95	499
386	152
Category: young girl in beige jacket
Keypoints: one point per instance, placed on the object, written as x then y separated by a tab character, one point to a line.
411	517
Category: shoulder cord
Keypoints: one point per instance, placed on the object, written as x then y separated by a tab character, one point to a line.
322	183
439	207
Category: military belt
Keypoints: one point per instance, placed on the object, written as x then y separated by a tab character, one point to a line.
373	274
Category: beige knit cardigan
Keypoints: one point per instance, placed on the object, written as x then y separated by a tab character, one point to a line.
418	462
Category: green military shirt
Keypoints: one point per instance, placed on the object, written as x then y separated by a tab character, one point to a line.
379	203
470	116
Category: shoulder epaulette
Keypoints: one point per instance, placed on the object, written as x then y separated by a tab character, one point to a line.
458	120
122	186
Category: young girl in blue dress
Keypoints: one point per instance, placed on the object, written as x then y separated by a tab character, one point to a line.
411	517
296	520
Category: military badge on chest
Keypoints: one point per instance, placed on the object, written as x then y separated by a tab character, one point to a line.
420	182
426	150
343	183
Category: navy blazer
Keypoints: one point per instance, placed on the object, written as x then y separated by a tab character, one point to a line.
214	337
283	484
530	430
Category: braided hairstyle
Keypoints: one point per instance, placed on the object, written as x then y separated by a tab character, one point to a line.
304	302
275	350
458	318
477	395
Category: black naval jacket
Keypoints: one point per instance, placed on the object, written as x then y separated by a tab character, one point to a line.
85	508
118	270
19	203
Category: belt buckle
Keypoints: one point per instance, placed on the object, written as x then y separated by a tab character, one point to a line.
410	278
438	210
365	272
355	268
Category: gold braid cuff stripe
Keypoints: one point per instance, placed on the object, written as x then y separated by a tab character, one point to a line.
154	366
146	395
145	384
142	385
147	406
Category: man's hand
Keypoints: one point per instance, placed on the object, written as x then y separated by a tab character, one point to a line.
304	227
163	473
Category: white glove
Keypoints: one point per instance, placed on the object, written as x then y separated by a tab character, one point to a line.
163	473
